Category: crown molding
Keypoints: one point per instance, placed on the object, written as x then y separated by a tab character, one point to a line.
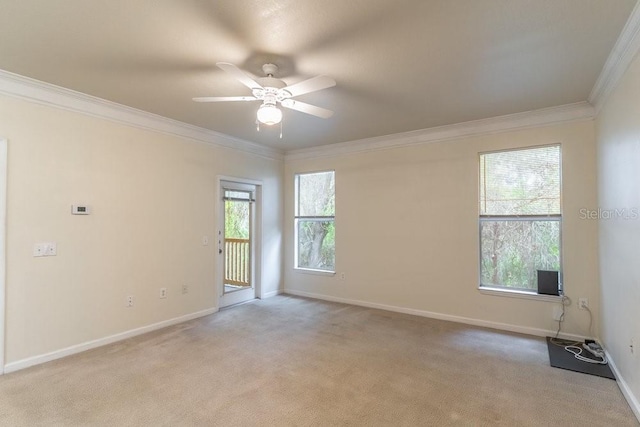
39	92
619	60
530	119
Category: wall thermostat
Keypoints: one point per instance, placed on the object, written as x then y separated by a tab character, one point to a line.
80	209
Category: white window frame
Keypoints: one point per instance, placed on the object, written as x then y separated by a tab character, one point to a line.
298	217
510	291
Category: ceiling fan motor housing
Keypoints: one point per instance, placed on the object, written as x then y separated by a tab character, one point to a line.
272	89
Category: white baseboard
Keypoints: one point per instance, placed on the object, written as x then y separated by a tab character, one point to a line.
272	293
624	388
79	348
440	316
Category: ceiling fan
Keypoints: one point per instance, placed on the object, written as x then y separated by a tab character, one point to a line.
272	91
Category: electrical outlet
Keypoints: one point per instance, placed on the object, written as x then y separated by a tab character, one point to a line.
185	289
129	301
557	314
343	276
583	303
163	292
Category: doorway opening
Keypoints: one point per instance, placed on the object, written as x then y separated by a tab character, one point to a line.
237	242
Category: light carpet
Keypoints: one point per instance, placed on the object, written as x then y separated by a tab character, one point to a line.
290	361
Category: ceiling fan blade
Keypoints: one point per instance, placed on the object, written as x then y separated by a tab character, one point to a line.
240	75
311	85
224	98
303	107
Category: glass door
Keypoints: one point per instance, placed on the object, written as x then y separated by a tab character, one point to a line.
237	246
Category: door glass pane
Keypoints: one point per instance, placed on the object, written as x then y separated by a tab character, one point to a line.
236	219
237	243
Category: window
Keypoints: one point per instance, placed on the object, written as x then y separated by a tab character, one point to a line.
520	216
315	231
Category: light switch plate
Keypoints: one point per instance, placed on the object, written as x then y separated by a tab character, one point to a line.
45	249
38	250
51	249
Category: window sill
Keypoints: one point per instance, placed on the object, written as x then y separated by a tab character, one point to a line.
314	272
519	294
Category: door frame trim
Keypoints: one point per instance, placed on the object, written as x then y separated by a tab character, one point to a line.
257	241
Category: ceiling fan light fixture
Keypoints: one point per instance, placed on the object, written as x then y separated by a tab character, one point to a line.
273	91
269	114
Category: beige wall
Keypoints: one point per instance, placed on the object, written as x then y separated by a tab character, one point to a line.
618	134
153	198
407	230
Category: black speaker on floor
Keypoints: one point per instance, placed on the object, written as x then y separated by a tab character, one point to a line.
548	282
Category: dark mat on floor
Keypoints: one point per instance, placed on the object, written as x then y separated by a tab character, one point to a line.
560	358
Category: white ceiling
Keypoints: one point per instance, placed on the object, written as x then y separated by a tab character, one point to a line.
400	65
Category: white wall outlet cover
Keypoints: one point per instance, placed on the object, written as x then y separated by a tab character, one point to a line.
557	314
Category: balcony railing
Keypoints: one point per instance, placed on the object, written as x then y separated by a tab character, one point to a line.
237	262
